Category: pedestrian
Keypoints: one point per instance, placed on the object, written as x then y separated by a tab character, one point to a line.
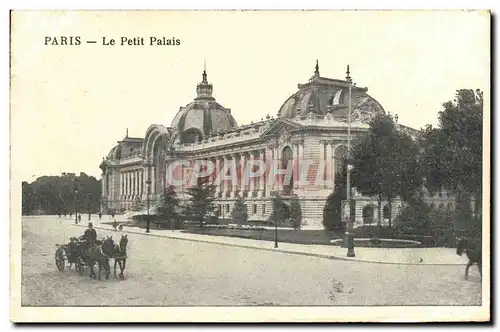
100	215
79	218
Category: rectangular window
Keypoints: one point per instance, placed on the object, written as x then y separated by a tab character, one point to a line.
263	208
255	209
227	208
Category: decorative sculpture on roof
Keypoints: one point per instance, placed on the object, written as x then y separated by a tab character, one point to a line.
365	110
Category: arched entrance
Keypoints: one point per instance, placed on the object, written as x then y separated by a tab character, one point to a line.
286	159
368	214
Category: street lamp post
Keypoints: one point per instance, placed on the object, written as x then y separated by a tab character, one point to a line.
89	203
76	206
276	233
350	222
148	185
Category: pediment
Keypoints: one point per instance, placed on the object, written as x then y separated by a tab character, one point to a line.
280	126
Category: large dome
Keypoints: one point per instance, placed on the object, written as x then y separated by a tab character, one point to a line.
203	116
325	95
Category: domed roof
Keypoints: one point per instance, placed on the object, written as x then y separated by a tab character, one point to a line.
114	153
203	116
325	95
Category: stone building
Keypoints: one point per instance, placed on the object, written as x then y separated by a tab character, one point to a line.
310	129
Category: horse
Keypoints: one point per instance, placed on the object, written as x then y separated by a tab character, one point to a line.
473	251
99	253
120	255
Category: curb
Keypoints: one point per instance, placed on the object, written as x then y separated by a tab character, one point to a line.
285	251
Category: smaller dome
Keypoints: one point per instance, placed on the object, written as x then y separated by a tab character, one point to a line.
114	153
203	116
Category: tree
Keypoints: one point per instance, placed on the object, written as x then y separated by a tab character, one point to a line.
201	202
240	213
295	213
56	194
280	212
415	218
386	163
168	206
28	199
332	212
452	153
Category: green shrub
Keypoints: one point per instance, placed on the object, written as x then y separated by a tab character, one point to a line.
239	213
295	214
415	218
332	212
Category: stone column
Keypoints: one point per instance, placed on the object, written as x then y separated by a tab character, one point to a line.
138	190
268	175
329	164
321	161
233	184
249	170
142	181
295	176
216	174
224	182
145	179
131	184
301	164
134	179
153	180
125	192
121	184
124	182
262	178
241	173
137	182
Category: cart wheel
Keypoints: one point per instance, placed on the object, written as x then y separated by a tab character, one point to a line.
60	259
79	267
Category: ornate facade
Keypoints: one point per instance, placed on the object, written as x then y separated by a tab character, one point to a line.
310	127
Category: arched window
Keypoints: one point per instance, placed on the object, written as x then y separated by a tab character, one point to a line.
192	135
368	214
286	159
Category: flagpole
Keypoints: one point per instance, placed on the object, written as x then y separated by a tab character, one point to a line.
350	220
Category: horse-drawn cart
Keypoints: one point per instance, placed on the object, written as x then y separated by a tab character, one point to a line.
82	254
69	254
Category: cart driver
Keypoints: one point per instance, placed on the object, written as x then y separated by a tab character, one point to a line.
90	236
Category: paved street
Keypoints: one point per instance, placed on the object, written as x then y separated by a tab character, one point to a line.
172	272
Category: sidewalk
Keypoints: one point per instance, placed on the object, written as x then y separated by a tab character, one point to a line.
407	256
